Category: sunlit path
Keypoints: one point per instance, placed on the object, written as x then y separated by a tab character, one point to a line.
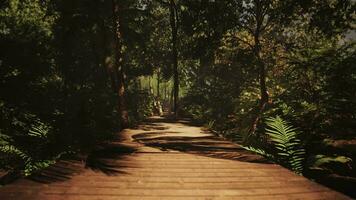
162	159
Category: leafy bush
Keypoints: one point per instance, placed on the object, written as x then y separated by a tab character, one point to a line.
140	103
27	164
332	164
15	155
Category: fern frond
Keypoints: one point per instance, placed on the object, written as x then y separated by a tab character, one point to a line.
39	129
258	151
12	150
285	138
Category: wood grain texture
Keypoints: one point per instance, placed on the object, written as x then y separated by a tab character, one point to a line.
171	160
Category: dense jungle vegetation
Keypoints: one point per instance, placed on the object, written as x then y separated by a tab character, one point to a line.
277	76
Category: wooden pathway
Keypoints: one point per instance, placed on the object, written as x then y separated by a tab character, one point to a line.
166	160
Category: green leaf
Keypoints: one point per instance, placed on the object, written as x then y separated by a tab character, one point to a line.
285	140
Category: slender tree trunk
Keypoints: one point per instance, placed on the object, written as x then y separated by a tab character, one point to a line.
106	57
174	24
113	77
158	84
165	92
262	77
149	83
261	66
171	96
206	61
119	66
107	61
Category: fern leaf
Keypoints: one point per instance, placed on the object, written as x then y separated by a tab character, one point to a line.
285	139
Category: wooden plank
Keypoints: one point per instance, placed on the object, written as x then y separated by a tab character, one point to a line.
153	174
166	185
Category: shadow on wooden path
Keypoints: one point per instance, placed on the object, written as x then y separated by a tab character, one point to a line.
164	159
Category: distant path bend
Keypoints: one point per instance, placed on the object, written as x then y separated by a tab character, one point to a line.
163	159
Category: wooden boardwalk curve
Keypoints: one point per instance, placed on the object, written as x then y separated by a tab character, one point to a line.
166	160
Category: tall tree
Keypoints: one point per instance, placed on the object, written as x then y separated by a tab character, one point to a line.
174	28
266	23
119	64
258	17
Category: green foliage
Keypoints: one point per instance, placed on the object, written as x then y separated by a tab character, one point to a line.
27	163
331	164
55	93
210	124
309	66
34	166
26	18
13	151
58	84
39	129
27	74
289	146
259	151
30	156
141	104
320	161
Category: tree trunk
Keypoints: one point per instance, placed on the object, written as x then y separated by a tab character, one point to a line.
261	66
149	83
165	92
158	84
171	100
119	66
206	62
174	24
261	76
